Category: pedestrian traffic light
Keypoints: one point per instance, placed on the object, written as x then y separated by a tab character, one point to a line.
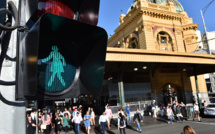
60	57
82	10
174	94
170	92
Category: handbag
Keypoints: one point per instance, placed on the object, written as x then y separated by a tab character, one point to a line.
43	126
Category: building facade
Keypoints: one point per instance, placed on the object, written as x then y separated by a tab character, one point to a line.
152	51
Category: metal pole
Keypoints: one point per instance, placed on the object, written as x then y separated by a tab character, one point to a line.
197	89
121	89
205	31
35	105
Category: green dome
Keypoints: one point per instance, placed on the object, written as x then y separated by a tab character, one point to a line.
132	6
179	7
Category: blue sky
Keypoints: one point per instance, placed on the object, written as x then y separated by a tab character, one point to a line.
110	10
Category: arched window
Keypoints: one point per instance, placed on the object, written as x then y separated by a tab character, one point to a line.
164	41
133	43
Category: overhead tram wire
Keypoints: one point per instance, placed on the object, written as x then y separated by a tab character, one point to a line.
207	6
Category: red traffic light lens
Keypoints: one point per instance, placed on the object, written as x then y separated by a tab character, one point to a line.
59	7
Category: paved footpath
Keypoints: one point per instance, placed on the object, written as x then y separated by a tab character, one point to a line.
158	126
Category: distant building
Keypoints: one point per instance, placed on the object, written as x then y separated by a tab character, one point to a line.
210	78
199	40
211	41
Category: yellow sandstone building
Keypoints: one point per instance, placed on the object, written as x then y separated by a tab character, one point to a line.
152	50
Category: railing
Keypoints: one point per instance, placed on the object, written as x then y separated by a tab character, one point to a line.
160	7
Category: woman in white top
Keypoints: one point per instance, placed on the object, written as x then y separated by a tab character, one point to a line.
92	117
120	111
170	114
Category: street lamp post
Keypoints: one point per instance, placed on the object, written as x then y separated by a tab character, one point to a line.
205	29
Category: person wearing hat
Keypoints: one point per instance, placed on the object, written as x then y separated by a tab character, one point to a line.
77	120
196	112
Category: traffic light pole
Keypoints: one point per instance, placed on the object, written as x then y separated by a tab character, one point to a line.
197	93
121	91
203	20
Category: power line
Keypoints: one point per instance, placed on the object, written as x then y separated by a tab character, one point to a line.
207	6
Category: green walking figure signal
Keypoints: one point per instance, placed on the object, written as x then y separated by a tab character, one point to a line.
56	65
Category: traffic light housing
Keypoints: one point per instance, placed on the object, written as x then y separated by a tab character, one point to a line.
82	10
59	58
170	92
174	93
2	15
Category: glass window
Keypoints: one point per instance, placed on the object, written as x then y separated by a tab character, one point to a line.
133	43
212	106
163	40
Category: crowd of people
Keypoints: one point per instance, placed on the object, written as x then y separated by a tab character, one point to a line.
66	120
73	117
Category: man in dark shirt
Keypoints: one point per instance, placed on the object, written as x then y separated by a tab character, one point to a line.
138	118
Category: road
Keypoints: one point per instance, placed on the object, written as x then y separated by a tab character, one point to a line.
160	126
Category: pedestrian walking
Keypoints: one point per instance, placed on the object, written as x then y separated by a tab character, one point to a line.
31	126
121	123
174	107
66	111
109	114
74	112
70	112
188	130
58	113
66	125
89	110
162	108
106	106
138	118
33	116
47	122
103	120
40	122
92	117
87	118
154	109
193	99
205	104
196	112
80	108
57	124
179	114
170	114
77	120
120	111
128	114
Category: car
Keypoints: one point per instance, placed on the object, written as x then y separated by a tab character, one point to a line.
209	110
212	100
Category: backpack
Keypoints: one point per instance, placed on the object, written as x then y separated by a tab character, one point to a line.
121	123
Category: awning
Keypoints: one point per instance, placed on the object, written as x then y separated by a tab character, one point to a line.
193	63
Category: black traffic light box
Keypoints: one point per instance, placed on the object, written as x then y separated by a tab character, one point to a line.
2	15
170	92
174	93
59	58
